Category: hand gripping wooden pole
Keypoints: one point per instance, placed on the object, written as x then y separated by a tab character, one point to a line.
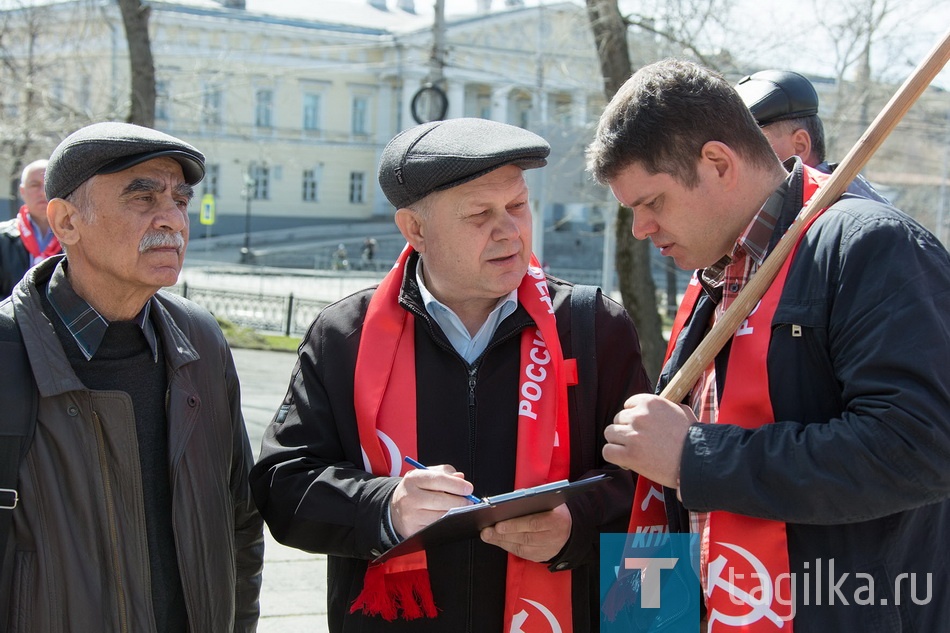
870	141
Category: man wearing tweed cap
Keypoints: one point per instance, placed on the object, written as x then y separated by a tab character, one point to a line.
133	511
463	358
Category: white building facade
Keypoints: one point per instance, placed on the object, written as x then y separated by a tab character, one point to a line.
292	101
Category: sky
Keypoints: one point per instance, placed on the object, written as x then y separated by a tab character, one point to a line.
784	34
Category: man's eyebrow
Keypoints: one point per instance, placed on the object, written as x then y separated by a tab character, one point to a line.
140	185
143	184
185	190
638	201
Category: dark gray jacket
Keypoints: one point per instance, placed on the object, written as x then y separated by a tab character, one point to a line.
14	258
315	495
858	462
79	537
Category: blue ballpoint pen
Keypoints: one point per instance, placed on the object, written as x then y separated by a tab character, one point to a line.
421	466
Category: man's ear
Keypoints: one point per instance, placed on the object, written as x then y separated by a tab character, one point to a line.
412	227
62	216
801	143
721	161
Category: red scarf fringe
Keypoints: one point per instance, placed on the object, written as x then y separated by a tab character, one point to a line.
385	594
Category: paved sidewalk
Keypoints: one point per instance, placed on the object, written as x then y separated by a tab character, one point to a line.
293	597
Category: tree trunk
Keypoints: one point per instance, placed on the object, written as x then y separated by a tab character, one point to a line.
632	260
135	18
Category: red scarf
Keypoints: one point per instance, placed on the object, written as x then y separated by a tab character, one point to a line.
29	239
385	401
734	569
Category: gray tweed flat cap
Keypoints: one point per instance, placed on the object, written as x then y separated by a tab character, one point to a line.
107	148
444	154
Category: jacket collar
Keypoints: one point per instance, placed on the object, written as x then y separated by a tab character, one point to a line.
794	187
51	368
83	321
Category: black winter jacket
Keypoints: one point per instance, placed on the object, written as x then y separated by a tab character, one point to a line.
315	495
14	258
858	461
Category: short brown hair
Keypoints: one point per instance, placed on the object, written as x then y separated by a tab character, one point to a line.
663	116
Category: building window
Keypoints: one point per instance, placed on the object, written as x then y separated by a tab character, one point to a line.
484	107
211	106
524	116
563	113
310	185
264	108
261	176
161	100
357	179
360	115
210	182
311	112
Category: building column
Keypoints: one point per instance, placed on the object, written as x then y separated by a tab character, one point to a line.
499	104
409	87
541	104
455	90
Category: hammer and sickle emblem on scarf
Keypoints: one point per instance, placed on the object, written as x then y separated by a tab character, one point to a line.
395	457
653	493
759	607
522	616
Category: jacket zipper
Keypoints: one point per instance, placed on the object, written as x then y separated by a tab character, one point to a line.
472	380
113	531
472	371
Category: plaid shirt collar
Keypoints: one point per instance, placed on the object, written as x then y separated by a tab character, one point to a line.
754	240
87	326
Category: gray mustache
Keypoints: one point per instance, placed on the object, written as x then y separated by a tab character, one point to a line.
161	239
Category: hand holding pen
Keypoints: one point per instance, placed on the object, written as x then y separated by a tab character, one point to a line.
424	495
421	466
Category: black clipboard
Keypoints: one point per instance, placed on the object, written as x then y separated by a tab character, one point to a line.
467	521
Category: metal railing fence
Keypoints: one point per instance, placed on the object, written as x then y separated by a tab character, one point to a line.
284	314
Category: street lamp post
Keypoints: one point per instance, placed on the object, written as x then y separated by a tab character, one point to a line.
249	184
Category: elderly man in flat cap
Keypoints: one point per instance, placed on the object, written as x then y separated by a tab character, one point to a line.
785	105
132	510
464	359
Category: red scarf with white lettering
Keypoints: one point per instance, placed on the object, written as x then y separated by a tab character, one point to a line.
29	240
736	600
385	401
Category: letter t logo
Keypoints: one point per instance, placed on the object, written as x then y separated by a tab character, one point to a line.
650	569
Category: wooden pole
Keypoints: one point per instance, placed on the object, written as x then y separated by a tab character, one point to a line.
870	141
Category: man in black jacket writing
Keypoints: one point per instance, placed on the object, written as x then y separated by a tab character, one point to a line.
462	358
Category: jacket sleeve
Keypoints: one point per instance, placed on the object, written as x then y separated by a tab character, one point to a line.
884	443
309	481
620	374
248	525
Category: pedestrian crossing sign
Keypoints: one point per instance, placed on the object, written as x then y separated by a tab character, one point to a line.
206	216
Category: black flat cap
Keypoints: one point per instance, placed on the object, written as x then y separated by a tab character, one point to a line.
776	95
444	154
107	148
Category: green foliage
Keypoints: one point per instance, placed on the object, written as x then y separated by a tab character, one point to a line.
246	338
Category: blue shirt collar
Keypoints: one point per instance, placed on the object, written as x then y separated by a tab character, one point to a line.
469	347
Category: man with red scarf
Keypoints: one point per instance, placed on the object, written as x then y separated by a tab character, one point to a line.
26	239
813	454
463	359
